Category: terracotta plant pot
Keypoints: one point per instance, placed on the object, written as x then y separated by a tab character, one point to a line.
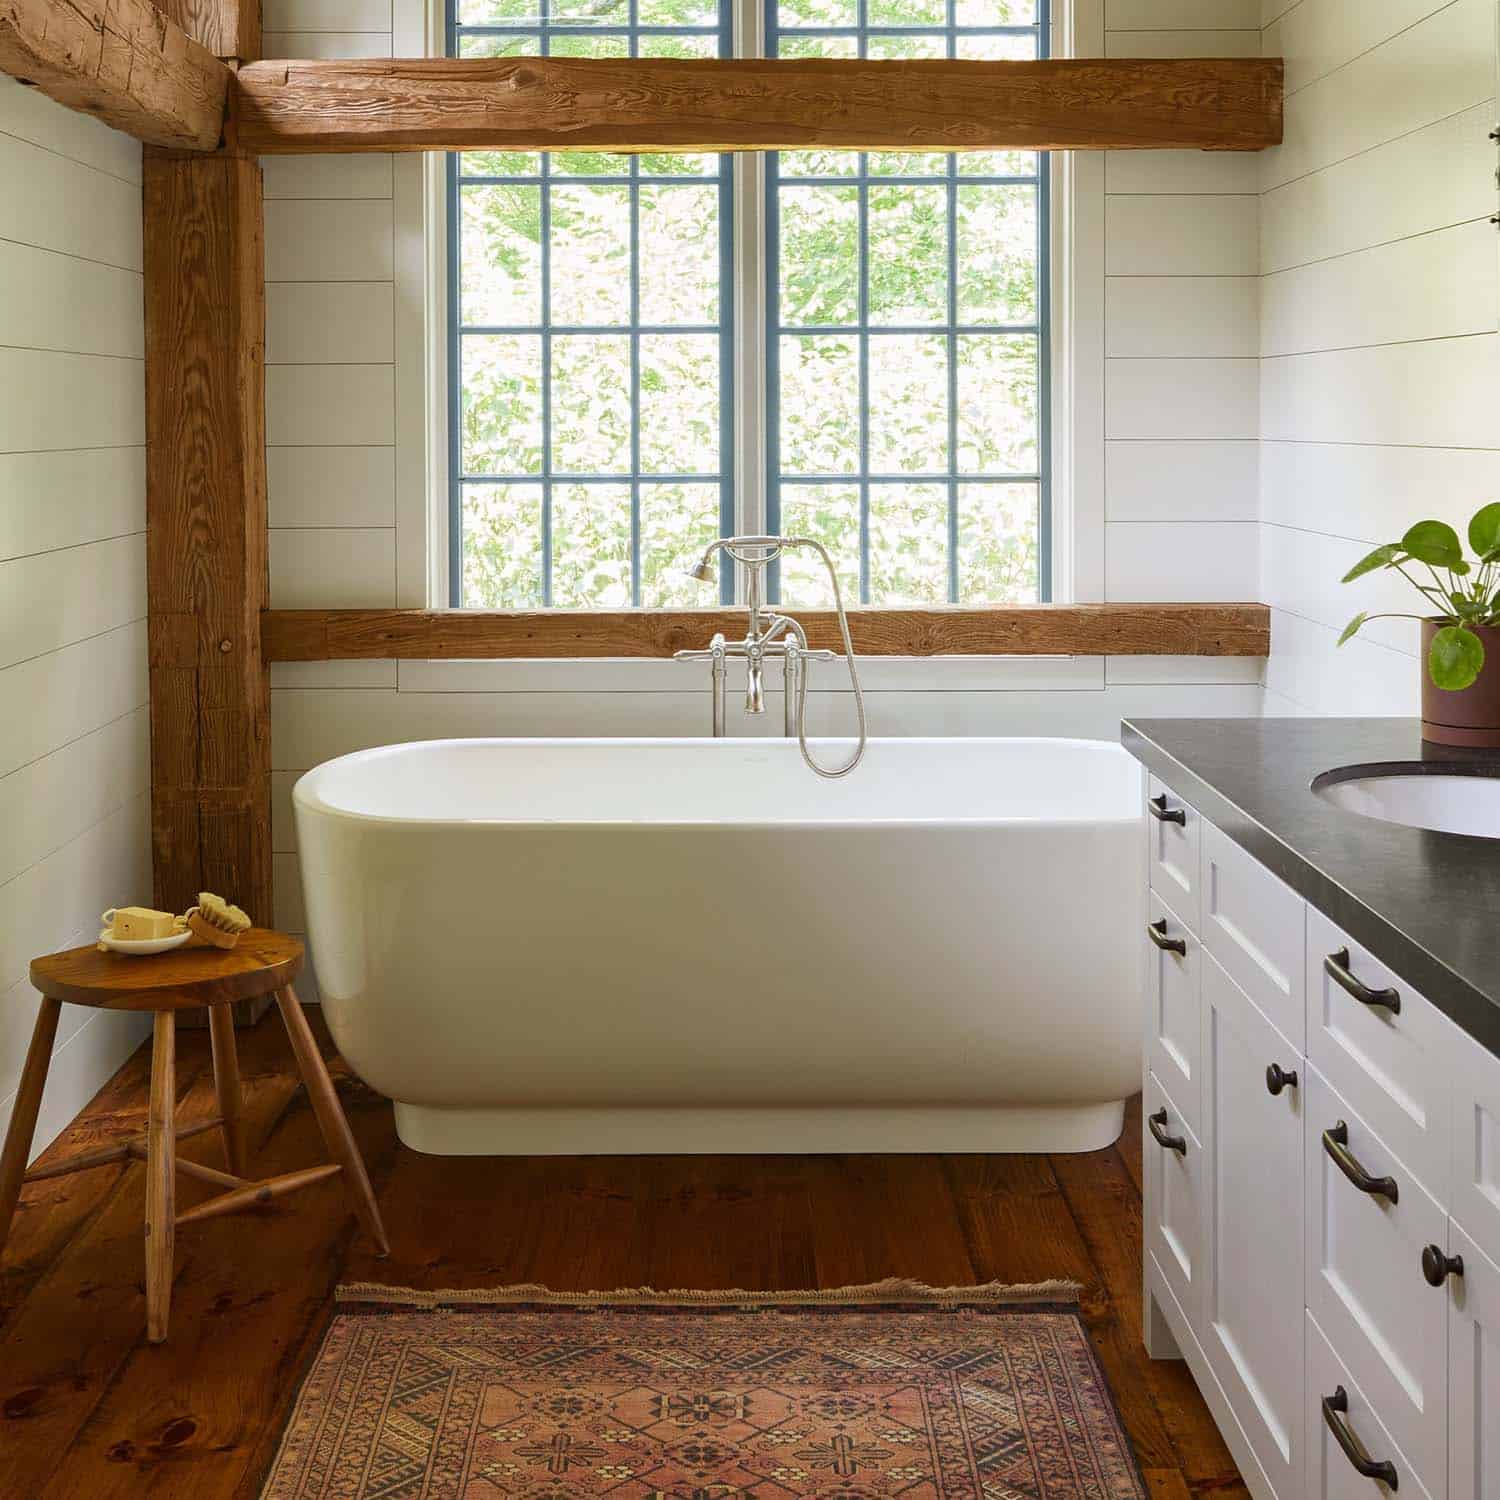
1471	716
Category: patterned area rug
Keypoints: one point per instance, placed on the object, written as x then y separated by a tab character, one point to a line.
897	1389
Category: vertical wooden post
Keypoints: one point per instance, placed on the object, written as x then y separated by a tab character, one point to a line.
206	529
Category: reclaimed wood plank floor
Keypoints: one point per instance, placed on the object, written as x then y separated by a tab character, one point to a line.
88	1408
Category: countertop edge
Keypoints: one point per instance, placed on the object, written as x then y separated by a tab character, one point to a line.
1467	1007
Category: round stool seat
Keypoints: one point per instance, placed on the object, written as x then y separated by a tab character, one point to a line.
261	963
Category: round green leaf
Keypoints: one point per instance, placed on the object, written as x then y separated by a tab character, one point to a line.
1455	658
1484	529
1435	543
1352	628
1381	557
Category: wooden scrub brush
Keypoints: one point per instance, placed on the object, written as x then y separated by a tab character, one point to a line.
215	923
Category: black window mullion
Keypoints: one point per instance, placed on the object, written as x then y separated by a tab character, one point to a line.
951	177
635	349
862	48
546	233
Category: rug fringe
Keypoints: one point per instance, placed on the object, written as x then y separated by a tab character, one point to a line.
894	1289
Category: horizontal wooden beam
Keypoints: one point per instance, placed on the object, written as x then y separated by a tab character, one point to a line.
1007	630
699	104
121	61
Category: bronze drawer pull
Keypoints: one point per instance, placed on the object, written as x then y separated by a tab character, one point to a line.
1336	967
1336	1144
1334	1407
1157	932
1278	1078
1164	814
1158	1124
1438	1267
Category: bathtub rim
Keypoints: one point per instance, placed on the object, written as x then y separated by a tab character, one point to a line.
306	798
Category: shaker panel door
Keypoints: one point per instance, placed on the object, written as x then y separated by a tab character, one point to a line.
1253	1308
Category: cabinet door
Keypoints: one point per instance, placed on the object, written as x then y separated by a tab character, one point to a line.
1173	1025
1174	1199
1173	827
1344	1432
1473	1372
1368	1221
1256	927
1383	1047
1474	1078
1253	1309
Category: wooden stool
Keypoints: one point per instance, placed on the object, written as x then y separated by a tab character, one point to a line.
261	963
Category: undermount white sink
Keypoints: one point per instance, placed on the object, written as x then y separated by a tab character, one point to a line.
1444	803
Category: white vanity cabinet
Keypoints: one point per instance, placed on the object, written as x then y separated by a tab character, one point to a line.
1322	1187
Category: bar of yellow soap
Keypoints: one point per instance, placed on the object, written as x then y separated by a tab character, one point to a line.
135	924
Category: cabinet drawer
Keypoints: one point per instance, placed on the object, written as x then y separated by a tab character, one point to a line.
1252	1283
1331	1471
1174	1199
1255	926
1383	1047
1174	829
1173	1022
1474	1372
1365	1285
1474	1180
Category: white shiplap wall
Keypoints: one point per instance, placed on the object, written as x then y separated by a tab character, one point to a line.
1181	374
1170	267
73	689
1380	360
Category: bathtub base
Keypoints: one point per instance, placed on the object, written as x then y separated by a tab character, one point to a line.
692	1132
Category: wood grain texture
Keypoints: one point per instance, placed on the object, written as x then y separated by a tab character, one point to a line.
261	963
23	1113
700	104
258	1194
227	1086
230	29
121	61
86	1408
206	530
1002	630
337	1136
161	1176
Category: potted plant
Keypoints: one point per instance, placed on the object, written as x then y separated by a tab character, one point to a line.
1461	625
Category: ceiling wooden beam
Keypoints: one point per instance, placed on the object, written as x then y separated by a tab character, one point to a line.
121	61
639	104
1000	630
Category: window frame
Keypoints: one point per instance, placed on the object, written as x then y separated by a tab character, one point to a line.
749	417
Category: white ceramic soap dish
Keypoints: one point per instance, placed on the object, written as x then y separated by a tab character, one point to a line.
142	945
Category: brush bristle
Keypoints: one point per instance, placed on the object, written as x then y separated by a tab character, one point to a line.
217	912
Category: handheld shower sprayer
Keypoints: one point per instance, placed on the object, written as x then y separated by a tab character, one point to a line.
755	554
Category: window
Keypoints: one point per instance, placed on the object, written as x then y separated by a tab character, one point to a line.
892	380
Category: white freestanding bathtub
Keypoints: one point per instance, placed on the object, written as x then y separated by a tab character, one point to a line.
572	946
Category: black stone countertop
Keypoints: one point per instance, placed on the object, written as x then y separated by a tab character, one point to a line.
1427	904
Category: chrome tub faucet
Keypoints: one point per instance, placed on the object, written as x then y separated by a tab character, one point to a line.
772	634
